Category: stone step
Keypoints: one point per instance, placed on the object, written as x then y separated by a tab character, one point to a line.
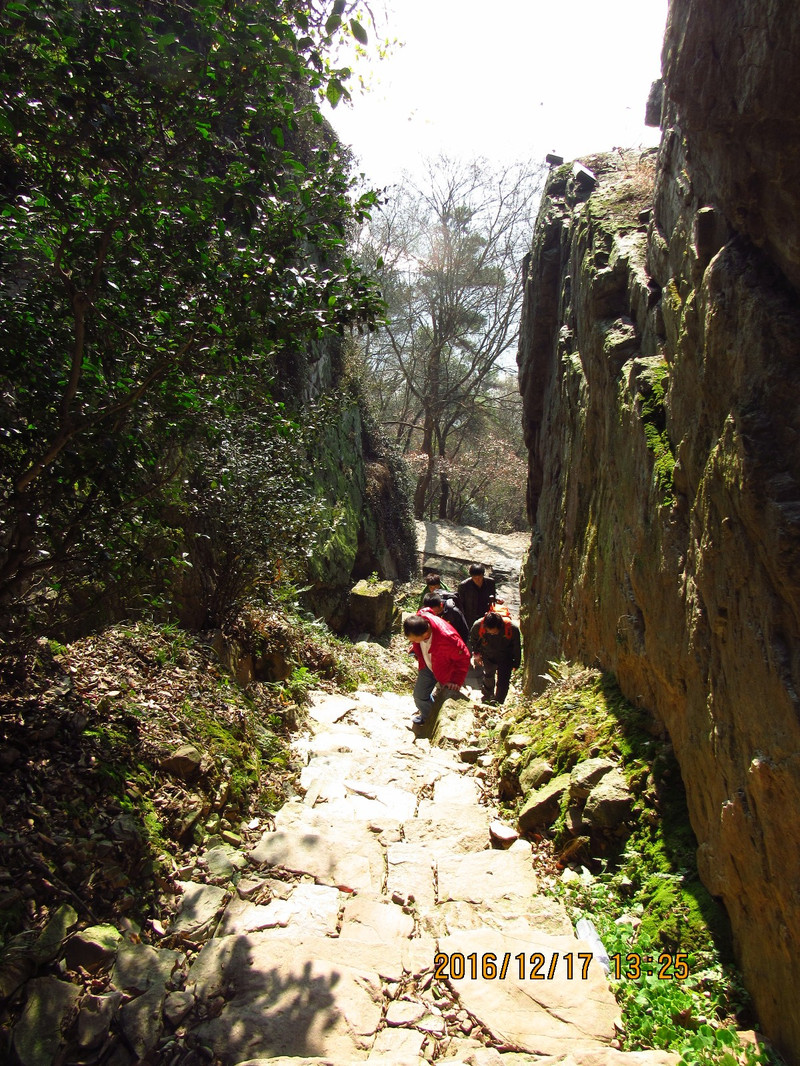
272	995
417	940
488	1056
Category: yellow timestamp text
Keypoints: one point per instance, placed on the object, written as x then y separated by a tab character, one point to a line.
665	967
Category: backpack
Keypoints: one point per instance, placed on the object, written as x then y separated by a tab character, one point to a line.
507	628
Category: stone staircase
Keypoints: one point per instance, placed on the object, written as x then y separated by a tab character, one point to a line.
375	922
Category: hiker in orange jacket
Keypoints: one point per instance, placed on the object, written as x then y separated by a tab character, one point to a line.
497	647
442	657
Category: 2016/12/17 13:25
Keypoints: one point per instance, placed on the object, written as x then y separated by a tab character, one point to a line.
490	966
634	965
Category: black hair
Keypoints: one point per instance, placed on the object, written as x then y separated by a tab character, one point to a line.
432	578
492	620
415	625
432	599
476	568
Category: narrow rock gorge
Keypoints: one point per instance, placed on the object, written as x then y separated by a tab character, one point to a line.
660	374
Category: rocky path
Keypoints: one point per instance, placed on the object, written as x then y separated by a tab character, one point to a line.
450	549
376	921
386	917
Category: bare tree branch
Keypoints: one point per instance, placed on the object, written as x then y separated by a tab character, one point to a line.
451	247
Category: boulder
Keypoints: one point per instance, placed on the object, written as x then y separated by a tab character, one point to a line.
184	762
537	773
404	1012
542	807
371	606
177	1005
517	742
609	803
95	1017
59	926
470	755
142	1021
39	1034
140	967
199	906
502	835
585	776
223	861
508	785
454	724
93	948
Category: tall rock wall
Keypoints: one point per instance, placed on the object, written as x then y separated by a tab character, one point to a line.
660	367
362	488
365	497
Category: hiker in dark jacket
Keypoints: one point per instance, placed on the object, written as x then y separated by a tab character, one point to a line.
445	607
496	646
477	594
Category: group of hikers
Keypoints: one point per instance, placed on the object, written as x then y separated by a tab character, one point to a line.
453	629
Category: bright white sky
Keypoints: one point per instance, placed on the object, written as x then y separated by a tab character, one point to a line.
506	79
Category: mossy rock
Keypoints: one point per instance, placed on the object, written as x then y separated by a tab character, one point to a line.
454	724
679	917
94	948
542	807
371	606
374	589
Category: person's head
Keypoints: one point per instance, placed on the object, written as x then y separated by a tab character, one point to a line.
432	580
433	601
493	622
476	572
416	627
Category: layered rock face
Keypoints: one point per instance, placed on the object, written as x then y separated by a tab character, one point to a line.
660	367
365	513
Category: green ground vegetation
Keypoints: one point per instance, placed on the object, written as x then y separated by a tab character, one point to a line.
641	887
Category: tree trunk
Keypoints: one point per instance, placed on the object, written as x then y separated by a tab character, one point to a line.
425	479
422	489
444	496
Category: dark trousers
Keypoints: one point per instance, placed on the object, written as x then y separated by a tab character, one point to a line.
496	679
423	692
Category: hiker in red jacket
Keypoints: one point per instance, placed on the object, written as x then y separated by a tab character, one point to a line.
443	660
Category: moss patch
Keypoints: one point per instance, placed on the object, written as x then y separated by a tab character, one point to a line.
653	385
625	191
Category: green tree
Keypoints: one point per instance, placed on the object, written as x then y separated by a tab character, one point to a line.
449	251
173	223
